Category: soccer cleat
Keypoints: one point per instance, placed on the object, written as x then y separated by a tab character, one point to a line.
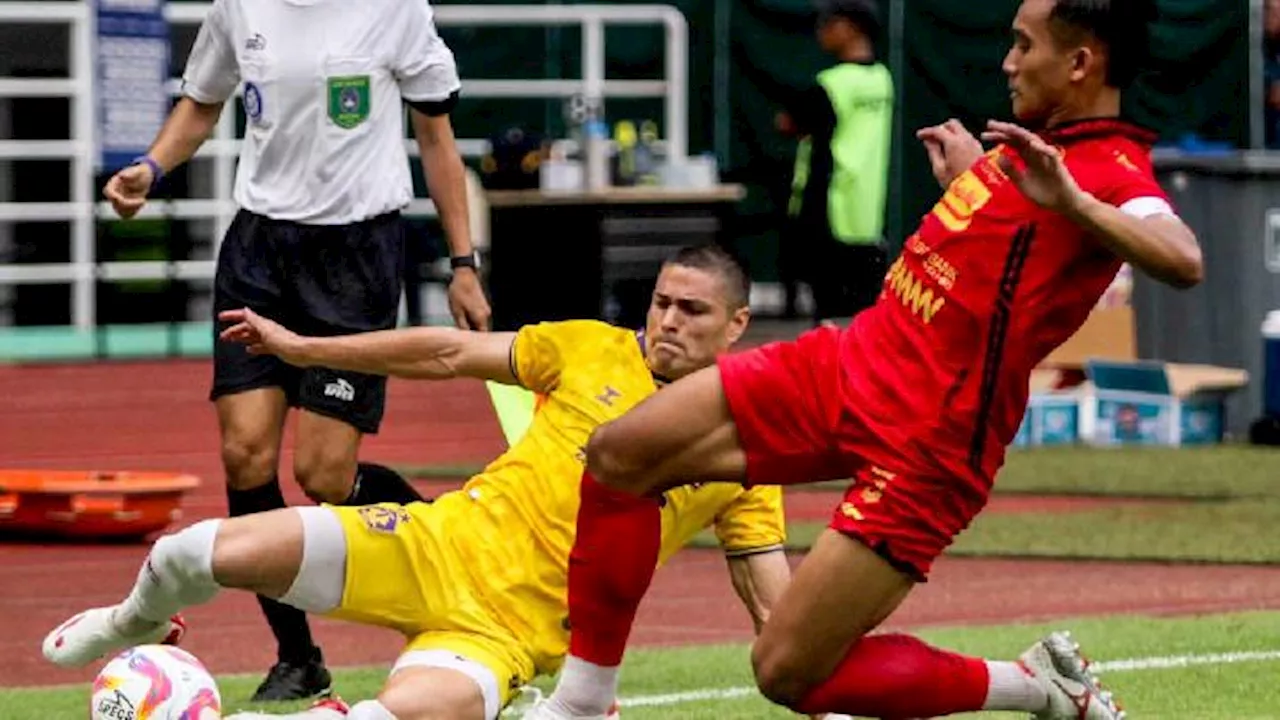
294	681
544	710
1073	689
330	708
93	634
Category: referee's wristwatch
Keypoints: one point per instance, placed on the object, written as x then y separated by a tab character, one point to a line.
471	260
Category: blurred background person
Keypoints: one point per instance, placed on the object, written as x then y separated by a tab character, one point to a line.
834	237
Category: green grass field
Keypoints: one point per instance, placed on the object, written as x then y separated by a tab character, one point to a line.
1209	505
1222	472
1217	667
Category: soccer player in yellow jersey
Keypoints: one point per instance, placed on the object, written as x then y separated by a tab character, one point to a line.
476	581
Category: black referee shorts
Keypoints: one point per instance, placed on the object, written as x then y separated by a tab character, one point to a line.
314	280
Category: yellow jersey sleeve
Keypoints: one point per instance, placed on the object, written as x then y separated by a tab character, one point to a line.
540	351
754	522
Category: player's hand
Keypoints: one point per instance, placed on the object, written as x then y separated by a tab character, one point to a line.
127	189
1043	176
261	335
467	302
952	149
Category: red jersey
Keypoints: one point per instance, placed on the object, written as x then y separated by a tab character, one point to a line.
939	369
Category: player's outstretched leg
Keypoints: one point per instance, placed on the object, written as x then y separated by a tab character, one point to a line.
1072	690
432	683
683	434
814	655
262	553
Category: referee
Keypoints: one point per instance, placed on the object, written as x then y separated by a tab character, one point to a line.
318	241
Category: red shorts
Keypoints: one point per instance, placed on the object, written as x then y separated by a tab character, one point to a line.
795	428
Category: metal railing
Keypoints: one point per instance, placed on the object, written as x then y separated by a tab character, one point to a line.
83	209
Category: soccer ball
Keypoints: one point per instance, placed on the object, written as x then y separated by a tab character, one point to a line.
155	682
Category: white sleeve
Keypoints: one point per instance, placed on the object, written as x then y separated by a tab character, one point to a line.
424	66
1145	207
212	72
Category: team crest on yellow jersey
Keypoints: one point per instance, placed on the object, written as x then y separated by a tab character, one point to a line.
383	519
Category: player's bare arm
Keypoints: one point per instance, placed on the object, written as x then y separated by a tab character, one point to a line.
427	353
759	579
188	126
446	183
1160	245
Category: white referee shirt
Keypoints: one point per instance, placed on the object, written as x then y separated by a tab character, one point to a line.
323	82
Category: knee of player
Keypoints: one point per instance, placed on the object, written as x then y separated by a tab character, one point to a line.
612	463
430	694
325	478
249	462
779	674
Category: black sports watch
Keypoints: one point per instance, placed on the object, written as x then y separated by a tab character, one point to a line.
460	261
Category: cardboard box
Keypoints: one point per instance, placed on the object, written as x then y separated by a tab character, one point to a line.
1051	419
1107	334
1154	403
1121	400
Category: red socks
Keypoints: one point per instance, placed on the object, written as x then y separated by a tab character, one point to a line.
614	556
895	677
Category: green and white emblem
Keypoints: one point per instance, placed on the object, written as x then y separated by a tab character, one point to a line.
348	100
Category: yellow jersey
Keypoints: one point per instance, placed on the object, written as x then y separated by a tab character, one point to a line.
522	509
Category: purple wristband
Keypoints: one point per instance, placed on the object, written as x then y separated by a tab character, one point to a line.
157	172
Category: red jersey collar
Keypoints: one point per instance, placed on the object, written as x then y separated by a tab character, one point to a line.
1086	128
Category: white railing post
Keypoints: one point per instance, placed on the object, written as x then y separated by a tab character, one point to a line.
83	170
593	69
676	62
84	206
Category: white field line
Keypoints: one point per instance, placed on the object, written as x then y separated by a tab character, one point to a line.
1134	664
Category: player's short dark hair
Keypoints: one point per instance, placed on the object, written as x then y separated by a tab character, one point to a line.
715	259
1122	26
864	14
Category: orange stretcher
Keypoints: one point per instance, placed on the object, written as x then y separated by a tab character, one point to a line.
89	504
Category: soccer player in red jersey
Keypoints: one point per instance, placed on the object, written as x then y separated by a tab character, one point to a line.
915	400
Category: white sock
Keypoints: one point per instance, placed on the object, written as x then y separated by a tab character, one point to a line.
178	573
1013	688
318	713
584	688
370	710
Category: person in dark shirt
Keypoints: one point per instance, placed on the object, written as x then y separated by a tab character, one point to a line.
844	123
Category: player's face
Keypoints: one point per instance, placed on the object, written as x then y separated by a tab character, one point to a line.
690	321
1040	72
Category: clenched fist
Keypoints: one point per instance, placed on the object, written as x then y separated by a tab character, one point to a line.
127	190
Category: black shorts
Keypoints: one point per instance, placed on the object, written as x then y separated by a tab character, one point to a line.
314	280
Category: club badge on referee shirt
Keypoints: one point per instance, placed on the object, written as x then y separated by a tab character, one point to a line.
252	102
348	100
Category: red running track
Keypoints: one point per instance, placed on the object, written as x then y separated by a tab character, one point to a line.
154	416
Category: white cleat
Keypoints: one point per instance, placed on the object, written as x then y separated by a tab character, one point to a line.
93	634
331	708
543	710
1074	691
